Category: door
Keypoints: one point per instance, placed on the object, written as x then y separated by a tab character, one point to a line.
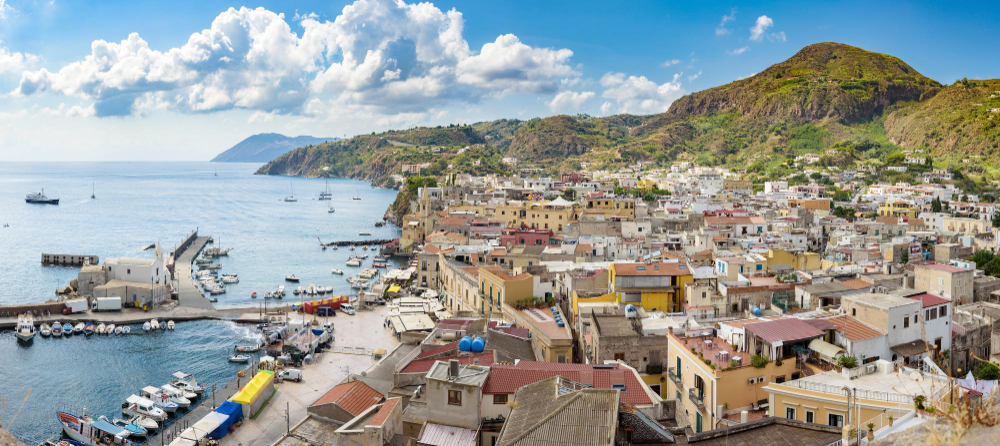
697	424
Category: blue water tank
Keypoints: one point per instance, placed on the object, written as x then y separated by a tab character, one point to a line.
478	344
631	312
465	344
756	311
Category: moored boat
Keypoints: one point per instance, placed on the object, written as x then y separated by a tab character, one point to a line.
91	431
45	330
146	326
56	330
136	405
67	329
134	430
159	398
174	391
78	328
186	382
170	325
292	278
242	359
25	329
100	328
337	271
89	329
109	329
119	330
144	422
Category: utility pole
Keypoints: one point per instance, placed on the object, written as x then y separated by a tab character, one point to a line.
213	394
288	427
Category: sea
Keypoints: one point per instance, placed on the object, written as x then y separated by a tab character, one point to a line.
143	203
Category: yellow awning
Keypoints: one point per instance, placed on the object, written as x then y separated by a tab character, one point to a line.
824	348
394	289
249	393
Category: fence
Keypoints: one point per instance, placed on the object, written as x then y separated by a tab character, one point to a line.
891	397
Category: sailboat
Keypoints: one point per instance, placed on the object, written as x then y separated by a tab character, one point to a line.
93	191
331	210
291	198
326	195
356	196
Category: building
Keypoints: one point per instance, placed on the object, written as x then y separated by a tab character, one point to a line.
378	425
138	270
615	337
552	338
454	393
947	281
653	286
346	401
896	316
497	286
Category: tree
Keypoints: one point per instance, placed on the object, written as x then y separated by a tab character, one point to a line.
981	257
847	362
895	158
996	220
987	371
936	205
993	267
905	257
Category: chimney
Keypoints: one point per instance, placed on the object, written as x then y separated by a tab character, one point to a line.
744	417
453	368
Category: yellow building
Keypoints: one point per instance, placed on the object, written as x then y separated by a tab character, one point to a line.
537	214
653	286
711	380
797	259
622	208
554	342
898	208
738	185
646	184
497	286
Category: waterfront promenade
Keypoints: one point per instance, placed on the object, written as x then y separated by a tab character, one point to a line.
188	293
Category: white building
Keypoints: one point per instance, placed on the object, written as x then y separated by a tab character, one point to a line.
139	270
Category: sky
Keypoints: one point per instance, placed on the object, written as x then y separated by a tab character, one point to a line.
184	80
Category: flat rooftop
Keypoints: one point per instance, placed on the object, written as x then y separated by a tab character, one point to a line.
543	320
900	383
884	301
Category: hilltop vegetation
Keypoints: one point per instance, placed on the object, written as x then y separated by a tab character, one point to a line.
849	105
265	147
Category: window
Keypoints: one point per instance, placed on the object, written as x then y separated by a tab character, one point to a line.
906	322
943	311
455	397
779	379
790	413
835	420
499	399
619	356
940	281
561	359
809	416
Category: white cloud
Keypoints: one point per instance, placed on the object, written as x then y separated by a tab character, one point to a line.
757	30
634	94
13	62
569	101
721	30
5	9
694	76
780	35
385	55
738	51
671	62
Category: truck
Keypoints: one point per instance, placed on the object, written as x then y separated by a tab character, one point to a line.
76	306
107	304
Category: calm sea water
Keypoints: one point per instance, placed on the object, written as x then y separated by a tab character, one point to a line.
138	204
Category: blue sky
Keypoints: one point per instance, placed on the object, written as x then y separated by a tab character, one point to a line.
117	80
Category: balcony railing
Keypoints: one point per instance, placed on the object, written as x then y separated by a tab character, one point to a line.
654	369
671	373
697	399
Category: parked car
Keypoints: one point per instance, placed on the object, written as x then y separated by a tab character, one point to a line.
291	375
326	311
347	308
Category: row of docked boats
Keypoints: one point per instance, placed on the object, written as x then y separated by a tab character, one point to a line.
142	413
153	325
313	290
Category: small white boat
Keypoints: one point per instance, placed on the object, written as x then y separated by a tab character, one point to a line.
354	262
186	382
56	330
230	278
100	329
126	329
178	392
292	278
45	330
134	430
159	398
78	328
143	422
170	325
242	359
136	405
337	271
119	330
109	329
329	289
365	234
146	326
25	329
154	325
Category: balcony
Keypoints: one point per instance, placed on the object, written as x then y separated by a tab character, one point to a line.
671	373
696	398
654	369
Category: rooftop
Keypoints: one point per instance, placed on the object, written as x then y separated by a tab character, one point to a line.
769	431
652	269
929	300
354	397
424	365
785	330
853	329
614	325
548	414
944	268
435	434
884	301
507	378
543	320
472	375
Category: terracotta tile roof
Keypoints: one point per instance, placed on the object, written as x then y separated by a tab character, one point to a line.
424	365
507	378
383	412
855	284
854	329
929	300
354	397
438	350
652	269
788	329
945	268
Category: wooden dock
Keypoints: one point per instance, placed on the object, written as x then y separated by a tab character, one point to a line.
366	242
69	259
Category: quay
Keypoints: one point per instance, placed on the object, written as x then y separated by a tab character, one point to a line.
69	259
357	242
188	293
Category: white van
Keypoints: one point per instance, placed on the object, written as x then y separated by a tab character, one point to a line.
347	308
291	375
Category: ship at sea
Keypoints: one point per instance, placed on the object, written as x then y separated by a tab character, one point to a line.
40	198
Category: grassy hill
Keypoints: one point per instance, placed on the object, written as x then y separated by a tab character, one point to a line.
855	104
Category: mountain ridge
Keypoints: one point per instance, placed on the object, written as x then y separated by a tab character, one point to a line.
264	147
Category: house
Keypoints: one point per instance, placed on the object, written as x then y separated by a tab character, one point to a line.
653	286
345	401
497	286
896	316
454	393
947	281
615	337
377	425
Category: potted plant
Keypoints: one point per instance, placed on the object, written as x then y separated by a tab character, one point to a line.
890	420
871	432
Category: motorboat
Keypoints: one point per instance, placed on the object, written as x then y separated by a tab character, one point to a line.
241	359
329	289
320	290
101	328
211	266
331	210
214	291
89	329
176	396
163	326
312	289
40	198
119	330
133	429
92	431
78	328
126	329
230	278
136	405
171	325
25	329
361	256
186	381
267	295
296	291
146	326
292	278
56	330
280	290
171	390
353	262
67	329
213	300
154	324
380	265
159	398
109	329
337	271
253	295
203	261
45	330
247	348
144	422
365	234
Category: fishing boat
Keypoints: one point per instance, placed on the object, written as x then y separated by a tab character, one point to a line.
100	329
109	329
240	359
326	195
171	325
186	382
159	399
247	348
126	329
67	329
154	324
353	262
320	290
253	295
146	326
56	330
91	431
173	391
78	328
380	265
292	278
136	405
89	329
144	422
291	198
45	330
338	272
25	330
40	198
119	330
133	429
230	278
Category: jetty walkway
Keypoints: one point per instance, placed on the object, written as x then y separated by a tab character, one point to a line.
188	293
366	242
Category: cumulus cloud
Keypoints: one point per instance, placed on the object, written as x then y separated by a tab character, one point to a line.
379	54
738	51
568	101
637	94
721	30
694	76
758	29
671	62
13	62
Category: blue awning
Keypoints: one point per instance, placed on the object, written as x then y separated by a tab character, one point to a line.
106	427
